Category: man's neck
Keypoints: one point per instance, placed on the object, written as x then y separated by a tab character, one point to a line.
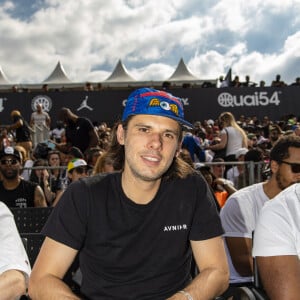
271	188
11	184
138	190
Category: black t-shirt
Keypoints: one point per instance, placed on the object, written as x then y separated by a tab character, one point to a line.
22	196
78	133
22	132
131	251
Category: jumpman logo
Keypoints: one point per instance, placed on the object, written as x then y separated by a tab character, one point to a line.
84	104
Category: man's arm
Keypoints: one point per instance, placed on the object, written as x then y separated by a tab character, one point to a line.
39	197
240	250
94	138
48	121
49	269
280	276
213	278
12	284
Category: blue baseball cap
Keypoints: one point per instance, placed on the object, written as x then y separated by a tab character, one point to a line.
147	101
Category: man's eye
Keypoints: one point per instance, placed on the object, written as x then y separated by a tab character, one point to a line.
169	135
143	129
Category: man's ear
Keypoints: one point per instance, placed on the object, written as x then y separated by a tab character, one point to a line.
274	166
120	134
178	150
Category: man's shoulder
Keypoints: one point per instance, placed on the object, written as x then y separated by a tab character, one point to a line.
99	179
247	191
245	197
27	184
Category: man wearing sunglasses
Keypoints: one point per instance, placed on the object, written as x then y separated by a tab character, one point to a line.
240	213
15	191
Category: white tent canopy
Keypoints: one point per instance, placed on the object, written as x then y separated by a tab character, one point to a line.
120	77
58	75
120	74
182	73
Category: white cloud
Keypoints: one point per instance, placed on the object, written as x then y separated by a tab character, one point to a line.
150	36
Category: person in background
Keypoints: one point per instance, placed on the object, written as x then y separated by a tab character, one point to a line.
92	155
233	173
136	230
276	243
14	263
40	122
56	172
6	139
58	132
79	132
40	175
77	168
105	164
240	213
245	176
192	142
275	133
221	187
22	131
233	137
15	191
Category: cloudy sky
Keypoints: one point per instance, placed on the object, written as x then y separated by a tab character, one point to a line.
259	38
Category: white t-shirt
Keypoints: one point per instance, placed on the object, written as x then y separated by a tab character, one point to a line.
278	228
40	119
233	175
239	217
12	252
234	140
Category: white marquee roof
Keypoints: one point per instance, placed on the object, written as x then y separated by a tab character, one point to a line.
58	75
120	74
182	73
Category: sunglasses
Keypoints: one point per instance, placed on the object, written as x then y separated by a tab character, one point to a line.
295	167
13	161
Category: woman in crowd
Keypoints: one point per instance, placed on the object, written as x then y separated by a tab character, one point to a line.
40	175
232	136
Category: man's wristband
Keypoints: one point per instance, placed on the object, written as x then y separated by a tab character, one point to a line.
188	295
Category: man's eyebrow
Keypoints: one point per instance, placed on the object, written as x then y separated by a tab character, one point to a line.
174	131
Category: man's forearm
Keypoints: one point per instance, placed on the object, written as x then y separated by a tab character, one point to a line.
208	284
50	288
12	284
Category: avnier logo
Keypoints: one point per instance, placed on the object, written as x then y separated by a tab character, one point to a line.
256	99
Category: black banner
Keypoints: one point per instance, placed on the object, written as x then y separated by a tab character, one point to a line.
199	103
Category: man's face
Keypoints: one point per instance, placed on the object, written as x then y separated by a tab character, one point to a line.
38	107
284	174
10	167
78	173
151	143
274	135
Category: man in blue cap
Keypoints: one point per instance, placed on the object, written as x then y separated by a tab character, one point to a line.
136	230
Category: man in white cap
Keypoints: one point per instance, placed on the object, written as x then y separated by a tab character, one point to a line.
136	230
77	168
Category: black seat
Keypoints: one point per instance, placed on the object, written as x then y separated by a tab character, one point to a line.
31	219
